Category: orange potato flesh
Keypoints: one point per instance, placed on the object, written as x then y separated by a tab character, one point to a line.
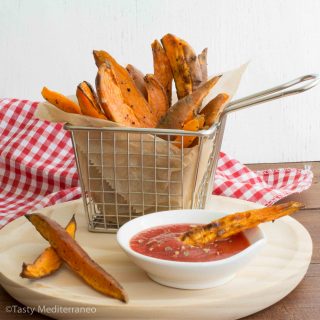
184	110
180	69
88	101
60	101
111	99
76	258
162	68
101	56
131	95
195	124
48	261
234	223
214	108
157	97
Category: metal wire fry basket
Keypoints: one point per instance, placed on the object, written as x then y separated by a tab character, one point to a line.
128	172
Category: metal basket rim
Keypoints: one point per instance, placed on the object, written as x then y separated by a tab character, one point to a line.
207	133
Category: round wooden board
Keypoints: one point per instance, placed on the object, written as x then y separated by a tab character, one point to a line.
267	279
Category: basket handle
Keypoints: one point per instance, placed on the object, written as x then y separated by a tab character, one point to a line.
273	93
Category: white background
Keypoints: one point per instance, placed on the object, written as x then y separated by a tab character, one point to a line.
50	43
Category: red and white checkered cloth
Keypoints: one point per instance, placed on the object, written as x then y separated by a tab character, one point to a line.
37	167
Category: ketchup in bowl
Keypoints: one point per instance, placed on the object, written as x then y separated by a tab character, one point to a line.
163	242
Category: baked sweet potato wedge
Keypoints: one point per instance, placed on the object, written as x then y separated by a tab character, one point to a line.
101	56
202	58
195	124
111	99
60	101
131	95
157	97
48	261
88	101
76	258
237	222
193	64
162	69
214	108
180	69
138	78
185	109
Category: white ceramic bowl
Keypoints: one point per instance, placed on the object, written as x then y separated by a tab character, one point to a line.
187	275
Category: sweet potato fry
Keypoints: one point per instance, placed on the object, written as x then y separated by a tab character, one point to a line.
162	68
193	64
214	108
111	98
180	69
88	101
157	97
137	77
202	57
60	101
184	110
48	261
195	124
237	222
101	56
131	95
76	258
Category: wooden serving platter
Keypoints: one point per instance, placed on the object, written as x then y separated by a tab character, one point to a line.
267	279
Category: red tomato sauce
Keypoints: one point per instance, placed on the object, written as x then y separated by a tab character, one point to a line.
163	243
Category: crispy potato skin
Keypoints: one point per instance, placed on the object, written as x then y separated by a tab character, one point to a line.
214	108
202	58
157	97
138	78
162	68
88	101
180	69
60	101
131	95
48	261
237	222
195	124
111	99
194	65
185	109
76	258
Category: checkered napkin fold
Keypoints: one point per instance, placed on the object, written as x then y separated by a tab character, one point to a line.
37	167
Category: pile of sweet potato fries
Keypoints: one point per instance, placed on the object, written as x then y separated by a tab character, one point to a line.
128	97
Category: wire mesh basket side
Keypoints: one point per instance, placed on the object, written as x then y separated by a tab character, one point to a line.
127	174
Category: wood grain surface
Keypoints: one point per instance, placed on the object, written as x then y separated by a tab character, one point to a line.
302	303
